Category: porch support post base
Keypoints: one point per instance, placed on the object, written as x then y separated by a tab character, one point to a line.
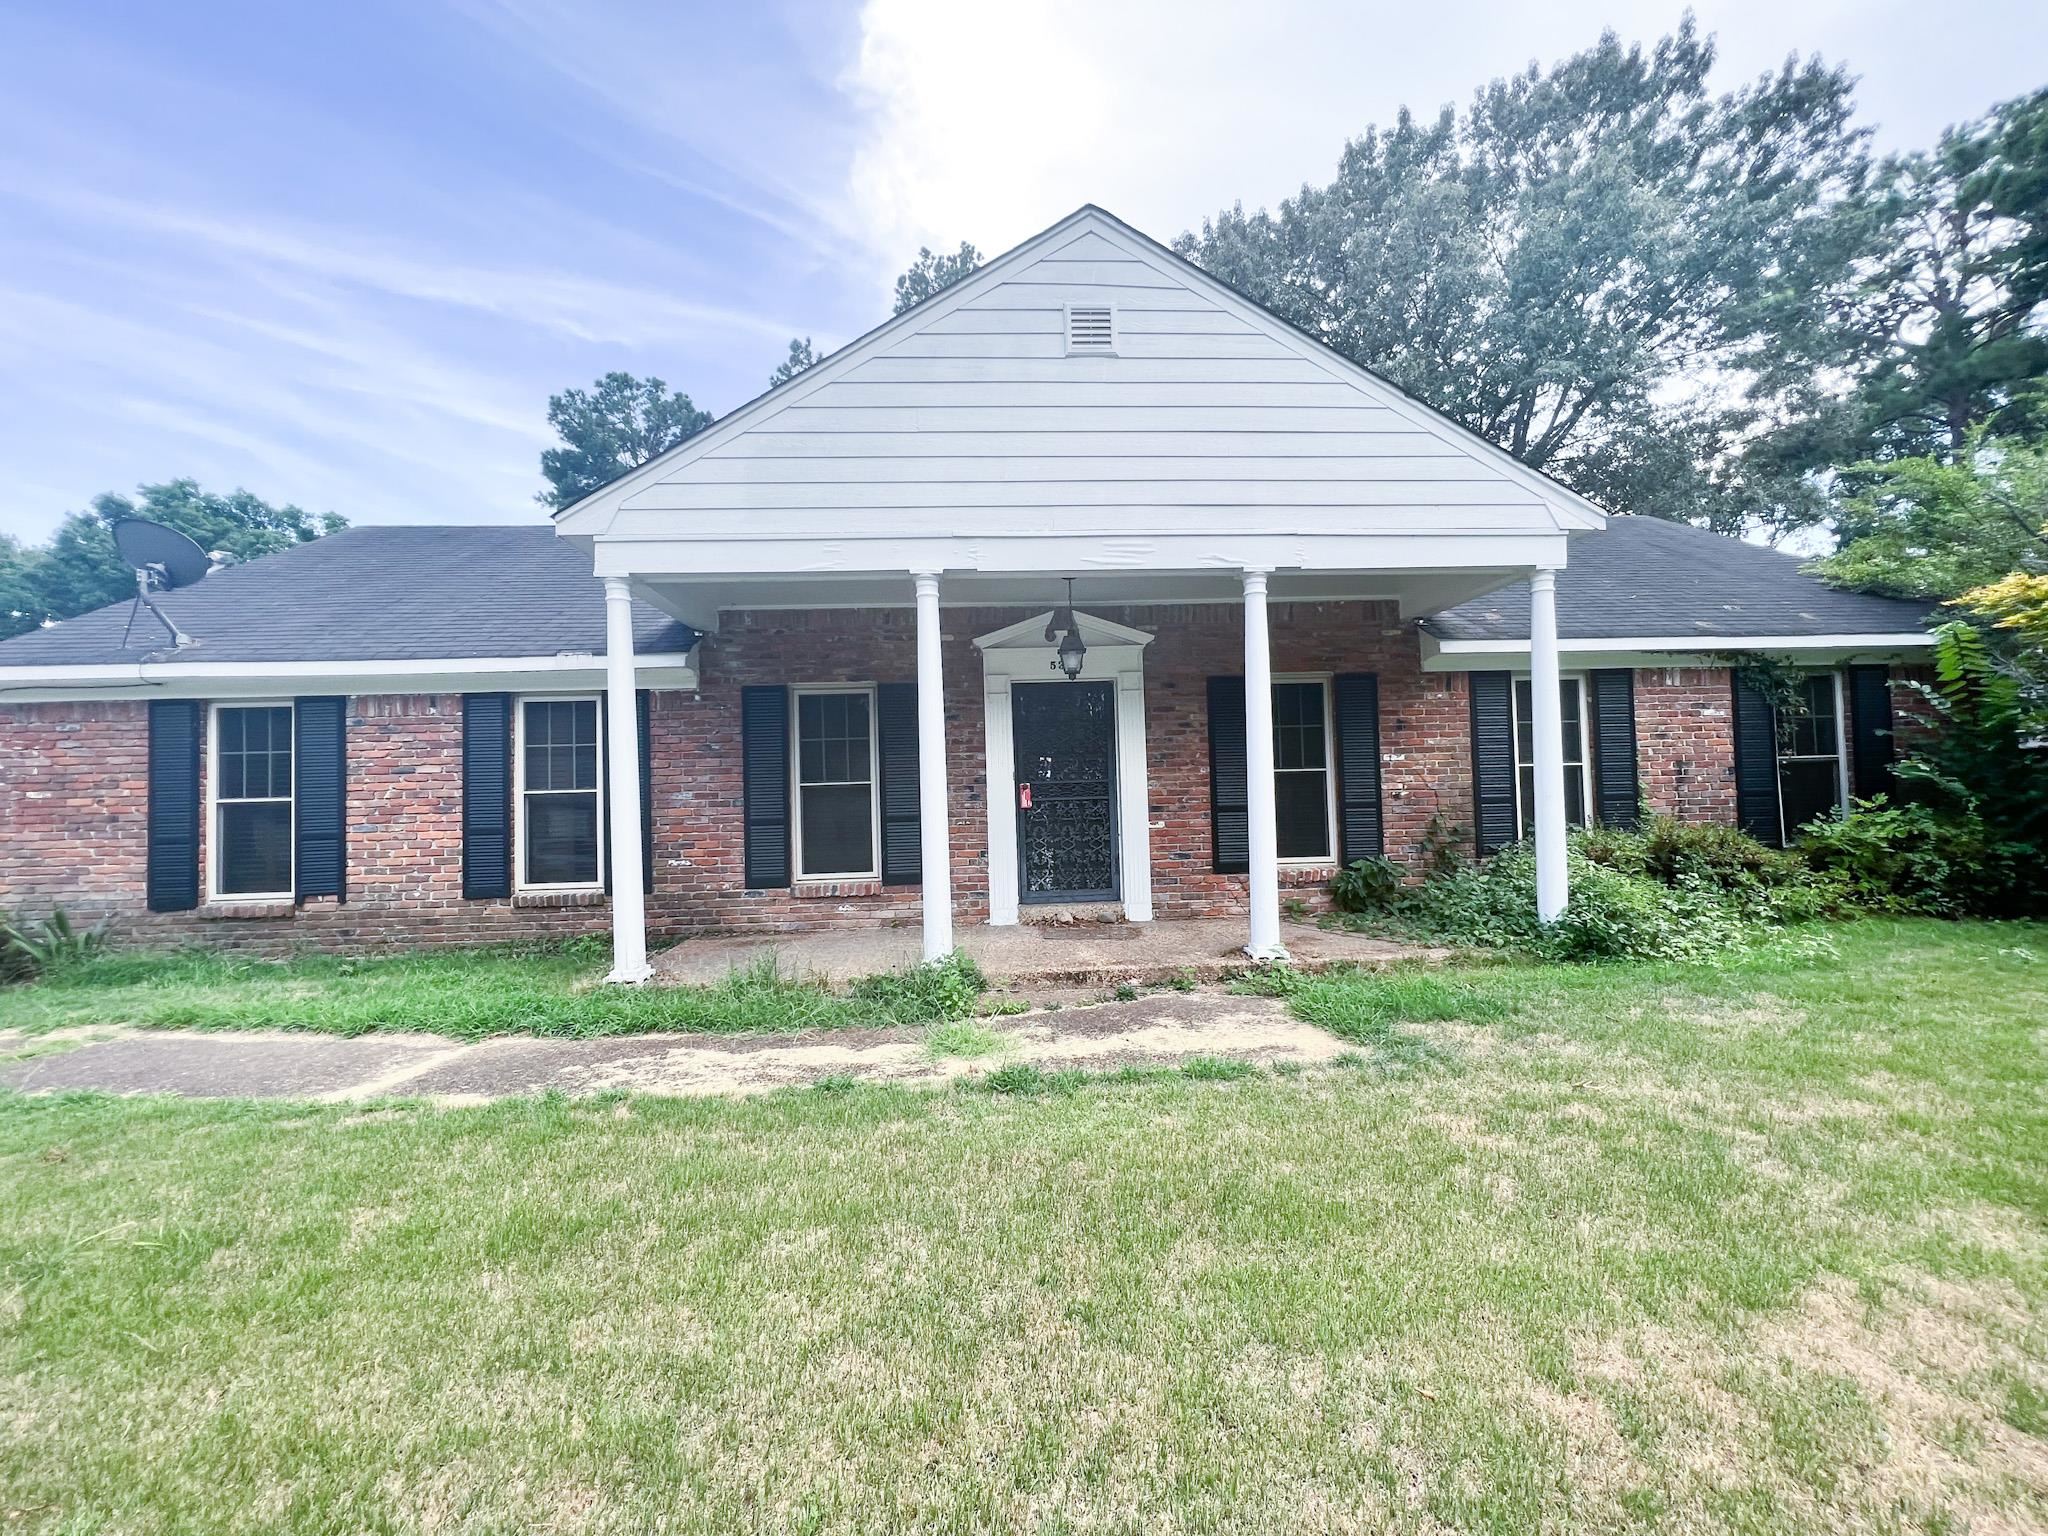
932	812
1547	717
622	788
1264	835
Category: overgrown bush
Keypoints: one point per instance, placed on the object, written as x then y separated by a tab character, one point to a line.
1972	834
1613	913
1366	885
30	950
1670	891
1920	858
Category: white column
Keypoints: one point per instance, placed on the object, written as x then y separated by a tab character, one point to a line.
622	789
1547	716
931	774
1258	756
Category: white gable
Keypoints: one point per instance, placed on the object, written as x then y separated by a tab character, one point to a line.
971	415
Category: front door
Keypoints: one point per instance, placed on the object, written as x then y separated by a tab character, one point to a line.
1065	736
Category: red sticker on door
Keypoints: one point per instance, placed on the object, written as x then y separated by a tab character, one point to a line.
1023	797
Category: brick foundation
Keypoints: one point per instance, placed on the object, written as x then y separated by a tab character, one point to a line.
73	782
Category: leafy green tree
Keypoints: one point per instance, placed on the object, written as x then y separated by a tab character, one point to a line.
80	570
617	425
18	600
1934	528
1602	267
800	357
1948	321
929	274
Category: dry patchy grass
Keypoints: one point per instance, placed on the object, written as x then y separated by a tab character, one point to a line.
1752	1248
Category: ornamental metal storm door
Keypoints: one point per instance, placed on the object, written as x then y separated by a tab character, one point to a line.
1065	736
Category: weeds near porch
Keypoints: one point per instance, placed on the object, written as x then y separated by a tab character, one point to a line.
963	1038
467	994
1368	1007
929	993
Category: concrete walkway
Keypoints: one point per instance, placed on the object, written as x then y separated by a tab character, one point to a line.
1033	955
1158	1030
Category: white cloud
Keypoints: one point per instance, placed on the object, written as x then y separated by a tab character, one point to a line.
987	123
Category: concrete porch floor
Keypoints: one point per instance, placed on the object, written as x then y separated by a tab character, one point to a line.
1033	954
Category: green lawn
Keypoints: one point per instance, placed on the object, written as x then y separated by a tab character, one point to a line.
1751	1248
467	993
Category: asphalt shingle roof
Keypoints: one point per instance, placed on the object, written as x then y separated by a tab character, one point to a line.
373	594
1644	578
459	592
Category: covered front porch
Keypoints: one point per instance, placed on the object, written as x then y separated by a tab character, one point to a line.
1055	752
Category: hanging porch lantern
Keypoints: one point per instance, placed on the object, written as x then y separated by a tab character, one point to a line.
1073	650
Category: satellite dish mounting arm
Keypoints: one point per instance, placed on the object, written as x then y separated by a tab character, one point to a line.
143	599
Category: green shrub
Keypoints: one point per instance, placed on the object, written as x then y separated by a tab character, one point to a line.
1613	913
1674	852
47	946
1917	858
1366	885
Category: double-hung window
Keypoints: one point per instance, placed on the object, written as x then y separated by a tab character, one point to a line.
1301	770
1572	701
560	795
835	784
1812	772
252	801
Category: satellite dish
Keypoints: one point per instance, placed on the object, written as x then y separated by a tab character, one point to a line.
163	560
173	560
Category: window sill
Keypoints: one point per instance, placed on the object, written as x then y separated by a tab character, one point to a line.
831	890
238	911
550	899
1296	876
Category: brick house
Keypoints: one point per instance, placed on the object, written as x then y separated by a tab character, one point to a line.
1086	581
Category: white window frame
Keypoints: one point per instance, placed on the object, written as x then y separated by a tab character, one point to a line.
1525	816
1779	759
520	884
1323	680
796	784
215	843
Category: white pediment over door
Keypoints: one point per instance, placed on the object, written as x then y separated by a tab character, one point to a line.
1029	634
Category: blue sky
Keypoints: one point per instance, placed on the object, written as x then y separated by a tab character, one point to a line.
341	255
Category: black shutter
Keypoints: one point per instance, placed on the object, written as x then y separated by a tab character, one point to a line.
1230	813
1757	810
1355	707
1493	760
172	881
764	774
645	701
1618	803
486	796
604	777
320	764
1870	727
896	743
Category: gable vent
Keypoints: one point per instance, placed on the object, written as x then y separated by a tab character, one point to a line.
1091	328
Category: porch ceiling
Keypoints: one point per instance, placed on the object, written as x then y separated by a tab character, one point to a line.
699	600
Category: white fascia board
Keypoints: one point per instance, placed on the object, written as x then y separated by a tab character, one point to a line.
1075	555
594	513
1663	651
249	679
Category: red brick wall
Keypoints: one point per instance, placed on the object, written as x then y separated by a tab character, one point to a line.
1685	742
73	789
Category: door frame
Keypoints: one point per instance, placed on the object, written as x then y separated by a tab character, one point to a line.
1019	652
1072	898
